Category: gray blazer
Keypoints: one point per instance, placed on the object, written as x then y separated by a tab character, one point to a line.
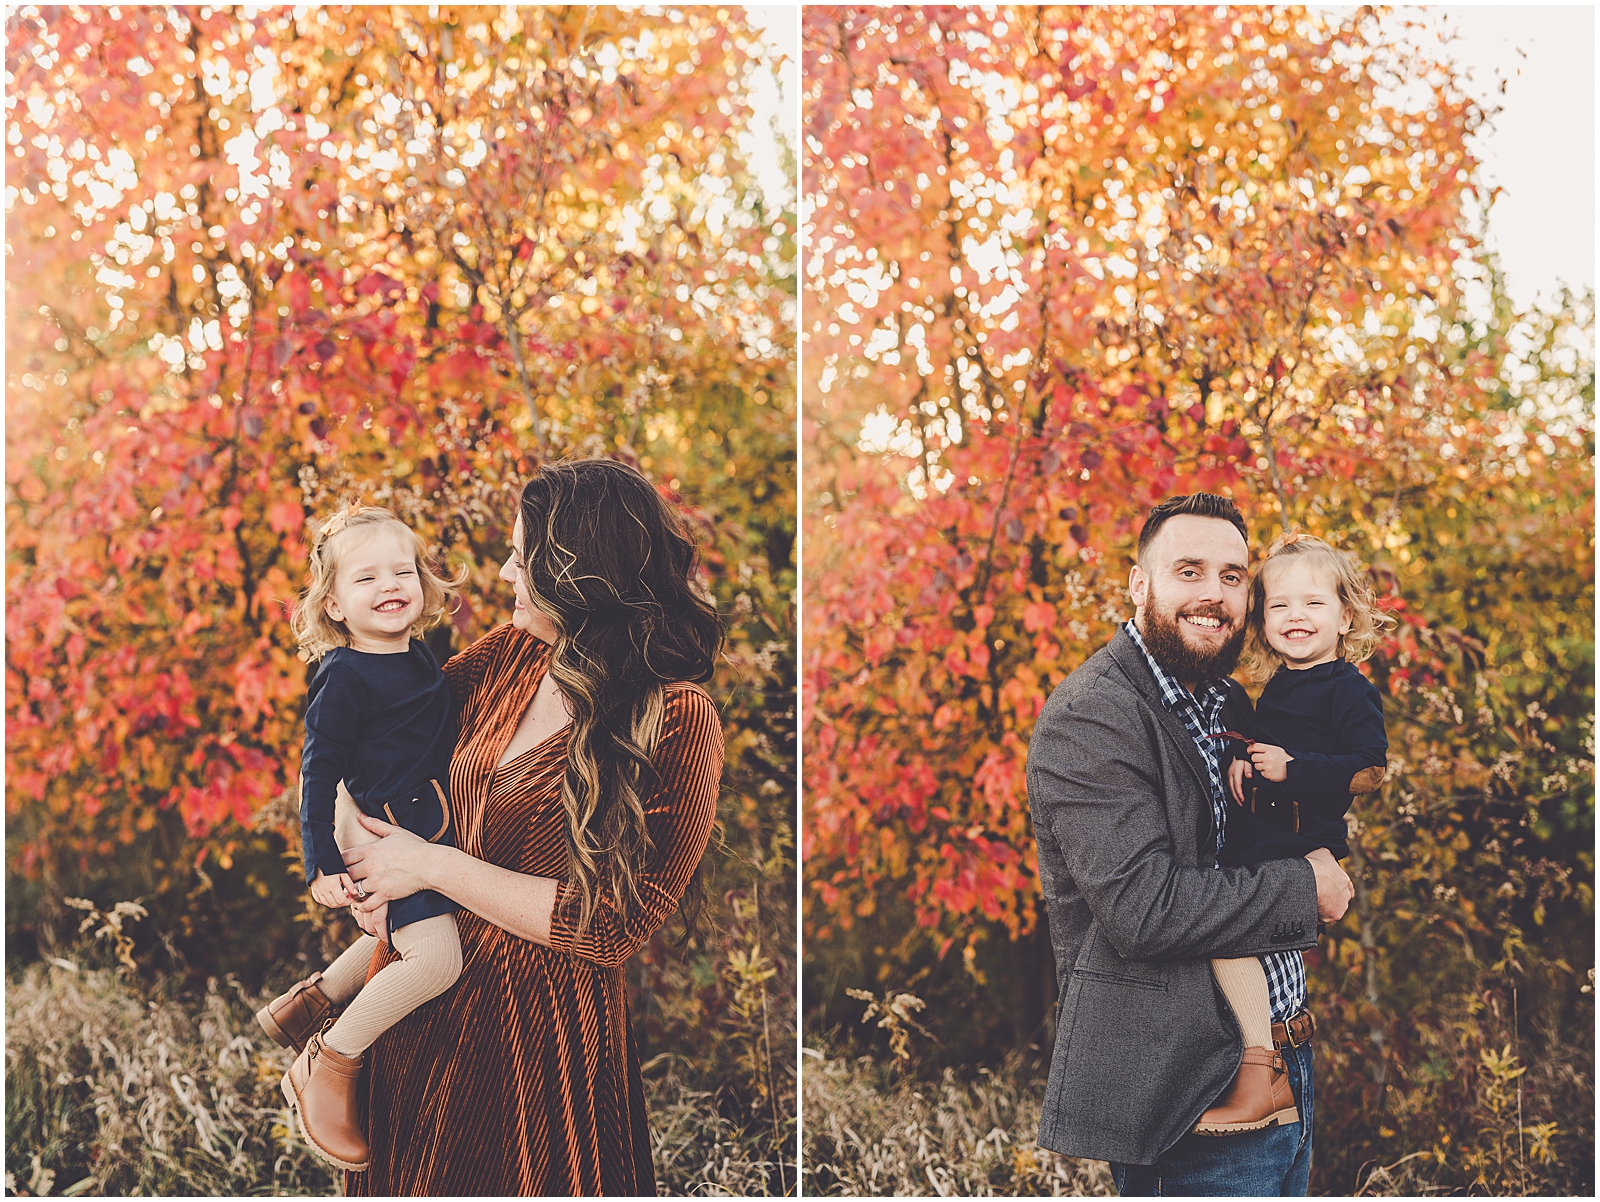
1122	813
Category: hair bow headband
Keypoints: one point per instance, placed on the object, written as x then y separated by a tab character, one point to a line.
336	523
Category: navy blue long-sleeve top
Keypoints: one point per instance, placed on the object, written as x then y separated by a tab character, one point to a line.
1329	718
383	724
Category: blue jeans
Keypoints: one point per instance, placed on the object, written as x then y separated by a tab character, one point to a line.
1273	1162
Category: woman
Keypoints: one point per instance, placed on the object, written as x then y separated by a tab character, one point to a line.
585	783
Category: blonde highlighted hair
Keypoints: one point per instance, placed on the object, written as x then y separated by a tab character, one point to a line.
1368	623
317	633
613	568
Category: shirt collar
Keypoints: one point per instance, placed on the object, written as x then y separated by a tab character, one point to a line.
1173	694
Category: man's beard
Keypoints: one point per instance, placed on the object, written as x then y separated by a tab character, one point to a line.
1164	638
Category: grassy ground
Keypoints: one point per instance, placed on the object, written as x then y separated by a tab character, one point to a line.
115	1087
112	1089
874	1129
1469	1117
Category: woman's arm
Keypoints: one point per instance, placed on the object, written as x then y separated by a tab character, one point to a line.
401	863
679	815
466	671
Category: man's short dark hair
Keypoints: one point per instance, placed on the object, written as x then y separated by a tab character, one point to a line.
1200	504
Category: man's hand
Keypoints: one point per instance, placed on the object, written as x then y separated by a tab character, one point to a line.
1238	770
335	890
1270	761
1334	889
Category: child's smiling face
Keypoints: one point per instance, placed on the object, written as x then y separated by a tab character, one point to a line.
377	592
1303	616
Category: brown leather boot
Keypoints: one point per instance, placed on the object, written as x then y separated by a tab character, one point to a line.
1260	1096
321	1089
297	1015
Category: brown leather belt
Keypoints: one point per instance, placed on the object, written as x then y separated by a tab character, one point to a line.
1296	1031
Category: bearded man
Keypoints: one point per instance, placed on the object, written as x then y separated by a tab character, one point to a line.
1125	784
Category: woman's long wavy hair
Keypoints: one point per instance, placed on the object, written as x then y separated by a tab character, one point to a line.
607	560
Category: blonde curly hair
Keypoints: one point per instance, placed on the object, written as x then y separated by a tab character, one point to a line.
317	633
1368	623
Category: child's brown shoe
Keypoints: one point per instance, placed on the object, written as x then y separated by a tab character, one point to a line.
321	1089
297	1015
1260	1096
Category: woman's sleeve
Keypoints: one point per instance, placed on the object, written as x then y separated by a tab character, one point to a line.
678	816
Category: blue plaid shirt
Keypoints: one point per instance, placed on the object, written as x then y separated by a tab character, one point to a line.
1201	713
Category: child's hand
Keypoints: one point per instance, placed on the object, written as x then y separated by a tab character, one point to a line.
1237	771
1270	761
335	890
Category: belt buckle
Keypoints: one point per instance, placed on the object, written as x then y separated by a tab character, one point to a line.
1288	1028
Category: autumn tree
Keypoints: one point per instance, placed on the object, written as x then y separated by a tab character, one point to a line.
1064	262
261	261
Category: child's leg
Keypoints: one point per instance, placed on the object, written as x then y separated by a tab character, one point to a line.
430	962
342	979
1244	984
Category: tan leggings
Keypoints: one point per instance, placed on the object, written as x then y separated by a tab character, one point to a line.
430	962
1244	984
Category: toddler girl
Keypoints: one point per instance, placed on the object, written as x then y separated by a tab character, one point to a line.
1319	742
378	718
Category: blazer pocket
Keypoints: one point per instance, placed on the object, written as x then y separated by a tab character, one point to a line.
1116	978
1099	961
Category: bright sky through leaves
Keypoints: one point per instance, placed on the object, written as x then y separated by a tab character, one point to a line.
772	96
1539	147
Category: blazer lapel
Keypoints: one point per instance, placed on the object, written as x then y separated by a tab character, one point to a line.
1133	664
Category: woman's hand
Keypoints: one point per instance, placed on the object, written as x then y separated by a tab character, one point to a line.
395	866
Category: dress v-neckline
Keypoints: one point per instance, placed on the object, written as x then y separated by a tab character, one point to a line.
542	652
539	746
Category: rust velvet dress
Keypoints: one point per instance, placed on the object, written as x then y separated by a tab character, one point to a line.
523	1079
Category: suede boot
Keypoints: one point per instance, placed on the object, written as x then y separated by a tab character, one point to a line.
297	1015
321	1089
1260	1096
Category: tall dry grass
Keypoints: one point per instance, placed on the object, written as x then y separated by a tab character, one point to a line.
117	1089
1472	1109
873	1129
123	1083
700	1152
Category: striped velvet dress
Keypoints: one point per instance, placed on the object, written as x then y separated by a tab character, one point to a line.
523	1079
